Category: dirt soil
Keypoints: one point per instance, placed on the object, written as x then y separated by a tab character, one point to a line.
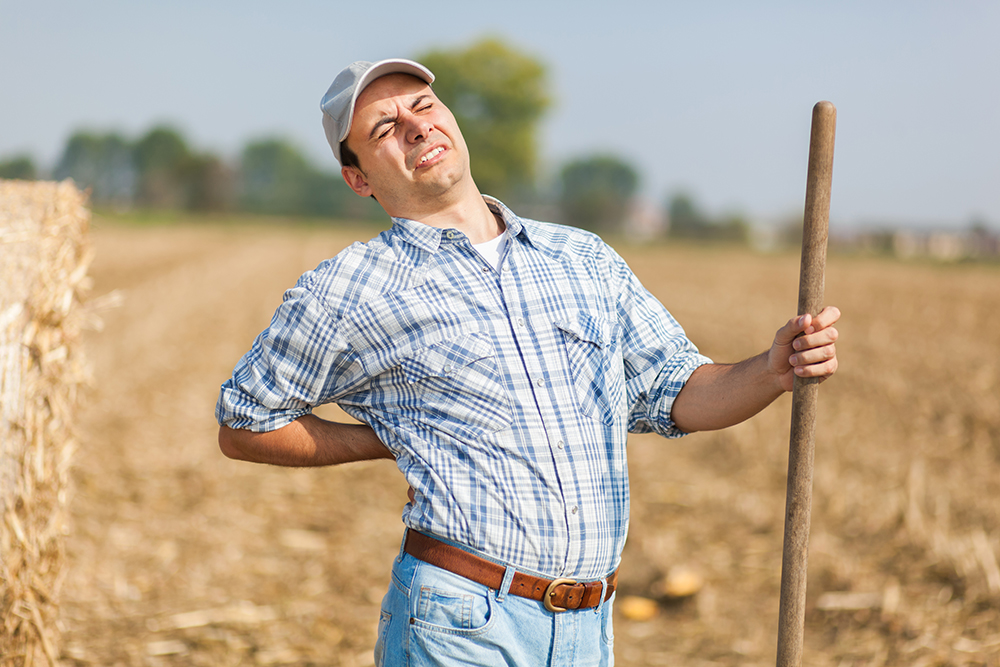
179	556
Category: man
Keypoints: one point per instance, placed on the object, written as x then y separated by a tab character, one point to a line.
502	362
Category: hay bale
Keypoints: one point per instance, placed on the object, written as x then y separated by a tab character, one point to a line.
44	256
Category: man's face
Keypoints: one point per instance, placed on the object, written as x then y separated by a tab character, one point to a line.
411	154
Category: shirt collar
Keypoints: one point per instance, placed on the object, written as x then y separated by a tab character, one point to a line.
511	220
431	238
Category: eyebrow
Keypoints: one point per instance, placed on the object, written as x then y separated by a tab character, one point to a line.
392	119
417	102
383	121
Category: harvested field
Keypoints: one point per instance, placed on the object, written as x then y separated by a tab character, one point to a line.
178	556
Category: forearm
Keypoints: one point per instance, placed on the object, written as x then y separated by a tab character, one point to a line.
720	395
307	441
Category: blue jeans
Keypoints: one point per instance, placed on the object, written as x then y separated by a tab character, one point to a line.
433	617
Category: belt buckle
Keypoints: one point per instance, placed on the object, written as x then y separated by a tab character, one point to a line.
550	591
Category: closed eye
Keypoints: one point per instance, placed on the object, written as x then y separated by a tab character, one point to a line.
383	127
422	103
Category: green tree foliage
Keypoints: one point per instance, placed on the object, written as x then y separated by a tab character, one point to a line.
498	95
161	170
276	178
596	191
101	162
171	175
20	167
209	183
162	158
273	177
688	221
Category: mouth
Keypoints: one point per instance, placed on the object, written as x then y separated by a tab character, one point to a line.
430	156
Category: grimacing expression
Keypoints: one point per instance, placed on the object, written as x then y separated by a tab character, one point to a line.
408	144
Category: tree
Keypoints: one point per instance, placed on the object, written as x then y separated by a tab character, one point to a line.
102	162
209	183
688	221
596	192
498	96
160	170
275	178
161	158
20	167
273	175
326	194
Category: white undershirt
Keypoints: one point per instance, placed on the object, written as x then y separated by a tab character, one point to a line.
492	249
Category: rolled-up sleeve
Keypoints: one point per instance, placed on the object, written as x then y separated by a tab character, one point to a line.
657	354
298	362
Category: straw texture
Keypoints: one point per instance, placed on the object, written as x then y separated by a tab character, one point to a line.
44	257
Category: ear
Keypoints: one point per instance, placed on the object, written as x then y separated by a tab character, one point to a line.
356	181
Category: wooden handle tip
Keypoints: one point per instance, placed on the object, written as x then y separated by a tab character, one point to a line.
825	107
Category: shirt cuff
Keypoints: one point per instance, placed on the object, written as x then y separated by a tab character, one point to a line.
671	381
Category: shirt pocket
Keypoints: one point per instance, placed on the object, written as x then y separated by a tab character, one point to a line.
595	364
457	383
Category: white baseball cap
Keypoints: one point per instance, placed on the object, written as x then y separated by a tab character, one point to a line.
338	103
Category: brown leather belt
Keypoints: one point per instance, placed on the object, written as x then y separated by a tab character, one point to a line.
556	594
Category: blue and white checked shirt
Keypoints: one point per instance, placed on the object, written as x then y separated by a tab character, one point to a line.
506	396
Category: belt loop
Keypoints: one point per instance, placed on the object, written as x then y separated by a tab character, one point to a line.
508	578
402	546
604	592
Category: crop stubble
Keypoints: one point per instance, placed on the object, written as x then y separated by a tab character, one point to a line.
178	556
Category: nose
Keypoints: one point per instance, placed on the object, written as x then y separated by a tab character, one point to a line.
417	128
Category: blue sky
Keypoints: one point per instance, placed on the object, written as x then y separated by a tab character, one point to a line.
713	98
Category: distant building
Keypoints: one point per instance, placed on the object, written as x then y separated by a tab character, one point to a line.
946	246
978	242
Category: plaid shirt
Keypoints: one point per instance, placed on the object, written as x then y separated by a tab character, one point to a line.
506	395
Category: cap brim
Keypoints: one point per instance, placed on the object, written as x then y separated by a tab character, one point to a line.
381	68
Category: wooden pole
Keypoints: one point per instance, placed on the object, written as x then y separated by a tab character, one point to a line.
798	499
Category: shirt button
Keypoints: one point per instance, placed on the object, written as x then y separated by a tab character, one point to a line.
520	322
450	235
447	369
486	269
540	382
574	510
559	444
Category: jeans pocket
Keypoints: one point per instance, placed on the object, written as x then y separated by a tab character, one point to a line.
445	609
444	602
383	630
450	627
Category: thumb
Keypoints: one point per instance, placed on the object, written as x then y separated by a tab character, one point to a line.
792	329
